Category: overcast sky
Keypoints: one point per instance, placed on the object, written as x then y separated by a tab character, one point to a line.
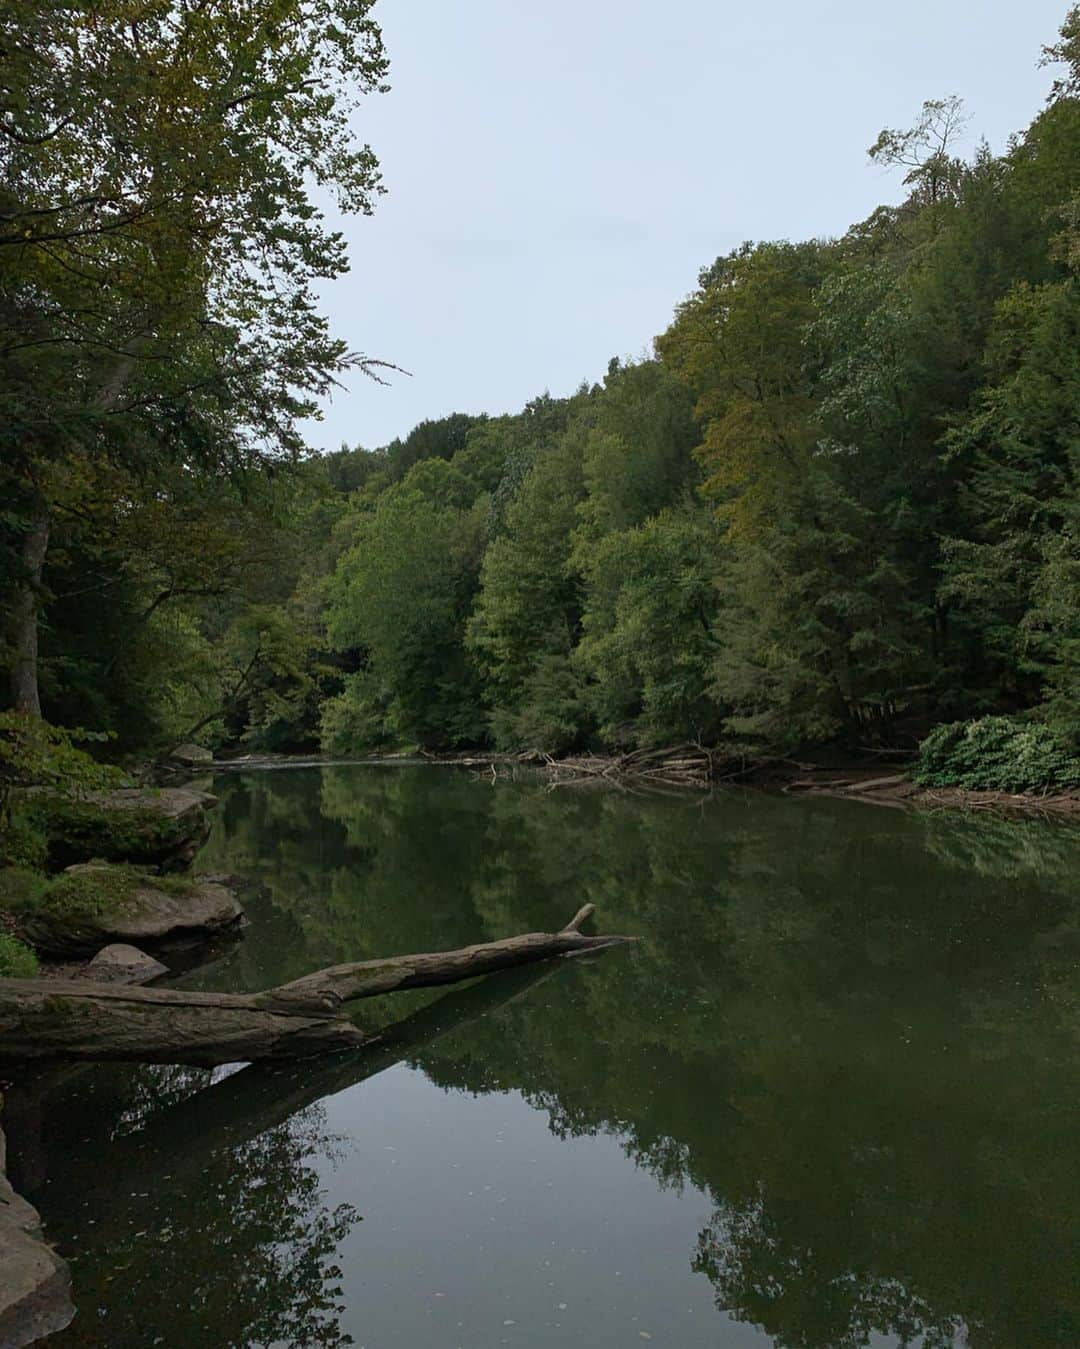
558	171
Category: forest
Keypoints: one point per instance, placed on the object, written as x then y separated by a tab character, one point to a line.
838	504
829	516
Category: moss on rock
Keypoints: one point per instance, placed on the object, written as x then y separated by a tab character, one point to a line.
97	903
161	827
91	892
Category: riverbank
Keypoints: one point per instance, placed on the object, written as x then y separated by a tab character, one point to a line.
876	778
875	787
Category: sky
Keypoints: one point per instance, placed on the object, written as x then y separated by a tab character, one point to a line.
559	171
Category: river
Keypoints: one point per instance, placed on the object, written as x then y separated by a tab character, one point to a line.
829	1099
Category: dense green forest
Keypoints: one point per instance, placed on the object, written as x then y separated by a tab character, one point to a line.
839	503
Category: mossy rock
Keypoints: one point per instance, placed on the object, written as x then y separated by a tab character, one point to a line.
163	827
192	756
95	904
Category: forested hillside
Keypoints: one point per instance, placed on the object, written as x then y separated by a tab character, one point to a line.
839	503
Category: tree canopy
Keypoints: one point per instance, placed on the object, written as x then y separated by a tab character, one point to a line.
837	503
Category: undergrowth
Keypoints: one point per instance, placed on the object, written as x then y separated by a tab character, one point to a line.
1005	754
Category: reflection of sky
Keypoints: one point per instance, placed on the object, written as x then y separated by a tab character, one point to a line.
481	1228
852	1024
558	173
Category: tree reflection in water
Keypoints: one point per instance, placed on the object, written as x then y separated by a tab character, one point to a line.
247	1255
855	1030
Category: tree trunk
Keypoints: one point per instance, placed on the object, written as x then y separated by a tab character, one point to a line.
23	619
77	1019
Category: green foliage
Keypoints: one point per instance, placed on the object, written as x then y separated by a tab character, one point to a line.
883	429
161	248
399	599
522	629
839	504
21	889
17	960
1003	754
1014	576
34	754
647	643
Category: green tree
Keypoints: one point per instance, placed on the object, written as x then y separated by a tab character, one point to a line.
399	599
525	621
160	244
647	645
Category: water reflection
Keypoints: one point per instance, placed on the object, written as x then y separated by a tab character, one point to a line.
855	1030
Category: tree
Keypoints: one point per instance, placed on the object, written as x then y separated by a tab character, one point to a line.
925	150
525	620
399	599
1014	576
647	644
160	244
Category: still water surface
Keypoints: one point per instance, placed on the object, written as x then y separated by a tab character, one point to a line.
829	1100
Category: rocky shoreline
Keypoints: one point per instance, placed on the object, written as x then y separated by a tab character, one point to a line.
123	883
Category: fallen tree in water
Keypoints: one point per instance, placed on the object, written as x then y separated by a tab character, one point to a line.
80	1019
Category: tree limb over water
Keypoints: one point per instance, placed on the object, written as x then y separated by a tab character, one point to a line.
78	1019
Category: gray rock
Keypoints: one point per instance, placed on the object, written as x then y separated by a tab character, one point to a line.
123	964
194	756
35	1288
163	826
102	904
35	1285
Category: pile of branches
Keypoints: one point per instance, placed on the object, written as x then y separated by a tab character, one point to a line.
687	765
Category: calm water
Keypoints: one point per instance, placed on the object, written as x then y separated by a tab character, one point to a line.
829	1100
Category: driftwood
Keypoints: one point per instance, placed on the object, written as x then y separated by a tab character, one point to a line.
78	1019
678	766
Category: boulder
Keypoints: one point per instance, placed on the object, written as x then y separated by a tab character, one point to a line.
94	905
124	964
157	826
192	756
35	1285
35	1288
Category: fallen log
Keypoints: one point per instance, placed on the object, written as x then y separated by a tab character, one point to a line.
174	1146
79	1019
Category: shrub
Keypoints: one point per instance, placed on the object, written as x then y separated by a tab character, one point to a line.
17	960
355	720
23	842
21	889
1003	754
35	754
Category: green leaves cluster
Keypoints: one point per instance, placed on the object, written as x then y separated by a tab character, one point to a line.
1001	753
503	588
162	242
